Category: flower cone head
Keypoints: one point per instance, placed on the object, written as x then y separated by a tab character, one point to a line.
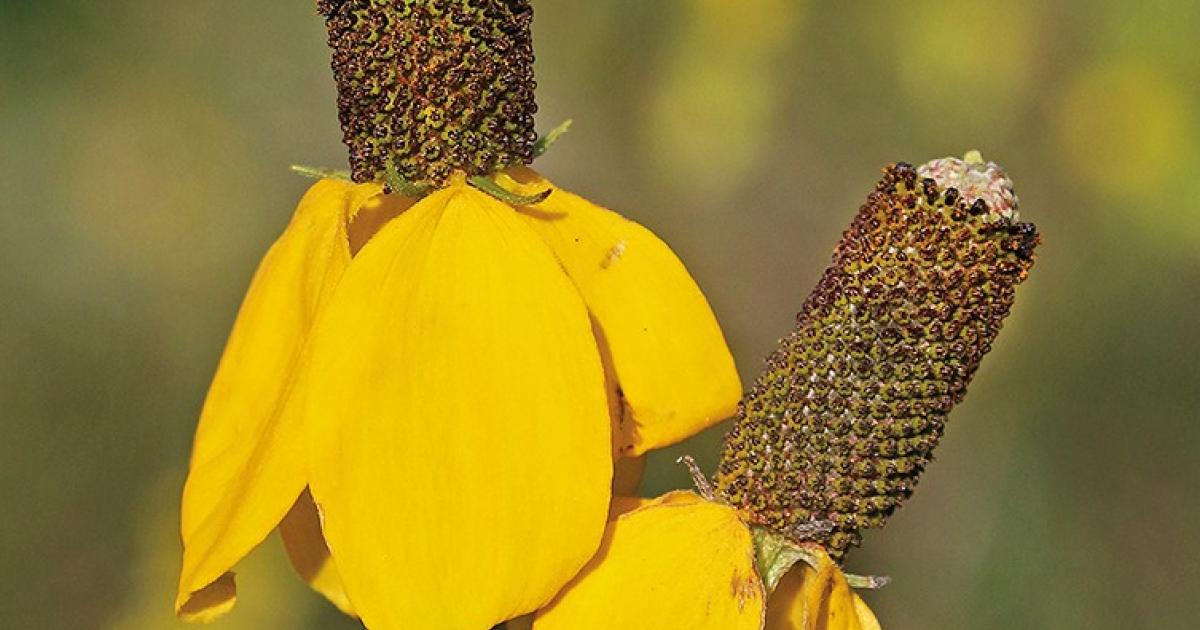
433	86
846	414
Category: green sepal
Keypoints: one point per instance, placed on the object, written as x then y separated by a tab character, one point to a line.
317	172
775	555
703	486
487	185
397	184
544	143
869	582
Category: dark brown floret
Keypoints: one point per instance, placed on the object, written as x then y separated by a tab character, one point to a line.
848	410
433	86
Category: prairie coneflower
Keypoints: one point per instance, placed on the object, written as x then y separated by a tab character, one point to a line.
836	430
437	361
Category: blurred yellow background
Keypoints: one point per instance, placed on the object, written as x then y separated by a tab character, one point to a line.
144	148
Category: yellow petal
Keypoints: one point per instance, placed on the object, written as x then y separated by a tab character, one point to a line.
306	548
460	434
210	602
247	466
817	599
674	369
623	504
678	562
865	616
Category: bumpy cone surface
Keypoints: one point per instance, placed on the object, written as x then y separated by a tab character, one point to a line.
433	86
849	408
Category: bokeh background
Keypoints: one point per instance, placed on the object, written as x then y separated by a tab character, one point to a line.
144	148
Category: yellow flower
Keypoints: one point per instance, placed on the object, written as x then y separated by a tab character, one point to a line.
448	379
836	430
680	561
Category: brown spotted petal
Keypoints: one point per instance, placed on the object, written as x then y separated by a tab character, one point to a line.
847	412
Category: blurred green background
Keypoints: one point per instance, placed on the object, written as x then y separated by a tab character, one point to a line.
144	148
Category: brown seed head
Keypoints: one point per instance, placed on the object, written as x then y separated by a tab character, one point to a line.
433	86
846	414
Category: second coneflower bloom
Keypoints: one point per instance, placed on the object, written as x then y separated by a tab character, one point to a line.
837	429
434	367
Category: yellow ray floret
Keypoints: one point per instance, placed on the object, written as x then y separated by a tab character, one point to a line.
246	470
309	555
674	370
459	443
676	562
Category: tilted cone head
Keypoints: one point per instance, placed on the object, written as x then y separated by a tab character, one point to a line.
433	86
846	414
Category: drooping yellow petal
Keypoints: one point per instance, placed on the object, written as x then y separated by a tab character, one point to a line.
865	616
247	467
623	504
306	548
460	436
301	527
210	602
817	599
678	562
673	366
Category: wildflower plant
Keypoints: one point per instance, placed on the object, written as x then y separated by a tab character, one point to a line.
441	360
445	365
